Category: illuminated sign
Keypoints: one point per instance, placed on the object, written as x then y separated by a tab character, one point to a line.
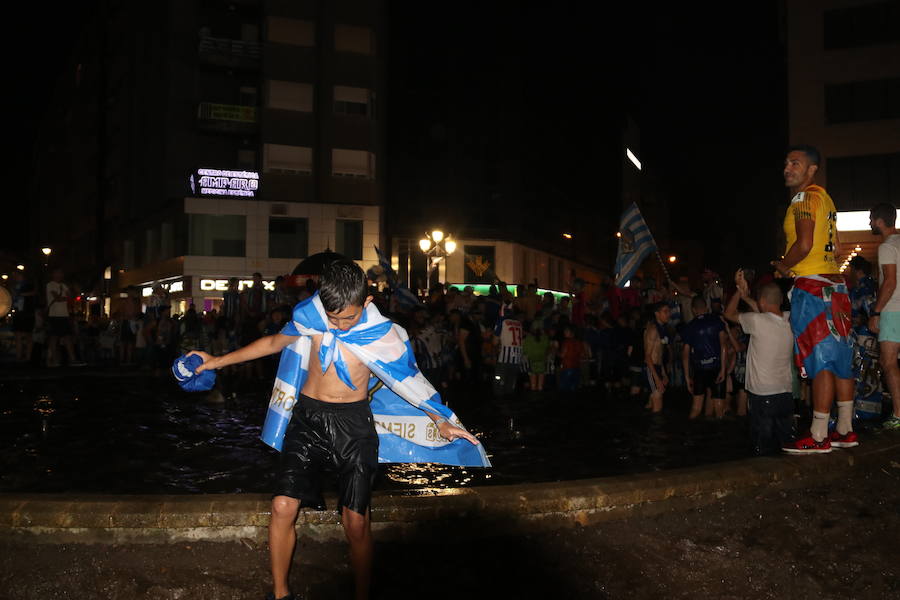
215	182
169	286
221	285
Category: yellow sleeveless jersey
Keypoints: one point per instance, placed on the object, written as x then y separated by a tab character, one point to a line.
813	203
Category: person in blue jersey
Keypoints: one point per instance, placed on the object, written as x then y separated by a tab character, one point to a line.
331	429
703	357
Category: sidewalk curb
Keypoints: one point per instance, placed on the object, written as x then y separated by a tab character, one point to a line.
478	511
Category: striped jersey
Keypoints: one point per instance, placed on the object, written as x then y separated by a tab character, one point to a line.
510	334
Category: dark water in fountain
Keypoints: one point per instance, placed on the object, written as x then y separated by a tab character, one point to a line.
100	433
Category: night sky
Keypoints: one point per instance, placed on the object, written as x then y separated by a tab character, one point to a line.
708	92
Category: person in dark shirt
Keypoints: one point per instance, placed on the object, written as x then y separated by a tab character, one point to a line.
703	358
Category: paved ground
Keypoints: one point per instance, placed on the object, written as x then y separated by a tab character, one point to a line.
802	540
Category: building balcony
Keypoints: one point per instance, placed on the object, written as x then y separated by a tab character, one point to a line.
229	53
227	118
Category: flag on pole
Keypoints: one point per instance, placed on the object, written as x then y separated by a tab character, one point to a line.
385	264
635	244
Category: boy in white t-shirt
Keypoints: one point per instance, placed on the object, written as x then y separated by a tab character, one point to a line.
768	379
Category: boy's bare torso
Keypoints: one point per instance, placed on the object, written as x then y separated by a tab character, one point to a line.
327	386
652	343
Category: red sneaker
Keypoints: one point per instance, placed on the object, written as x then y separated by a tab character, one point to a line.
808	445
848	440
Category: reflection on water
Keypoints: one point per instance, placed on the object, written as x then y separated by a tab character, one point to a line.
107	435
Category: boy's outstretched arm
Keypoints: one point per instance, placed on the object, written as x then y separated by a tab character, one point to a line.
262	347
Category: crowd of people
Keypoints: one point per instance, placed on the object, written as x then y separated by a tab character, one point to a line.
640	341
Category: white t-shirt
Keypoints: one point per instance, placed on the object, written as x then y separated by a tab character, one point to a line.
60	308
770	354
889	254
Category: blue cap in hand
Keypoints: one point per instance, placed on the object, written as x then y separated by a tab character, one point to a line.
183	369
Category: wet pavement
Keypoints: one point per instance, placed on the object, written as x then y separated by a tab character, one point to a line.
124	432
802	538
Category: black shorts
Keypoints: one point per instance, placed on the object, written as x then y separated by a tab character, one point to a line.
329	437
706	380
22	322
60	326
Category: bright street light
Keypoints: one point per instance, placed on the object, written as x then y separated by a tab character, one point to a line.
46	251
20	267
437	235
450	246
4	276
673	258
424	244
568	236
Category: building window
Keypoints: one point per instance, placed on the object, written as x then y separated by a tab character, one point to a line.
128	254
295	32
289	95
349	38
353	101
288	237
862	101
278	158
348	238
352	163
166	241
248	95
246	160
866	25
217	235
860	182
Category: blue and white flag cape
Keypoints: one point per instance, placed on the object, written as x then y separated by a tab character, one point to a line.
635	244
406	434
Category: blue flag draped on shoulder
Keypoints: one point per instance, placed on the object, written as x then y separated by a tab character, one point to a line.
399	396
635	244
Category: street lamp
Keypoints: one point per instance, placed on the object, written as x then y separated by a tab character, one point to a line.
436	246
673	258
20	267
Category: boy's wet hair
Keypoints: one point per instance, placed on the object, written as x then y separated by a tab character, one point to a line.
343	284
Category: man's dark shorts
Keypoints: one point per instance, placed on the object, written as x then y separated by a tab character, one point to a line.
329	437
706	380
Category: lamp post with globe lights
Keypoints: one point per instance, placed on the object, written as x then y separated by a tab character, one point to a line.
437	247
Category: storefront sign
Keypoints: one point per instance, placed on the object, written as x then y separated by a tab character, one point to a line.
215	182
221	285
170	286
480	264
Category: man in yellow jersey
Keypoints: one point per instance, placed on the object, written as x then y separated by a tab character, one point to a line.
820	304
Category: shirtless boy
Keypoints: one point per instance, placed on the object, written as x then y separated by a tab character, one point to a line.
332	426
656	340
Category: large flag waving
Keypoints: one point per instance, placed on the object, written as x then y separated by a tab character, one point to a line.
635	244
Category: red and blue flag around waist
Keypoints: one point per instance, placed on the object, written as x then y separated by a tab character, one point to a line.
820	320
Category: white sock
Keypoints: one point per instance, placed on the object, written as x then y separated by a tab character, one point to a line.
819	427
845	417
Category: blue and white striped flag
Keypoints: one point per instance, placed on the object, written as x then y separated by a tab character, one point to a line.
406	434
635	244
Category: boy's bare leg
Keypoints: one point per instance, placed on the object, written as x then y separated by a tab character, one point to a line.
696	407
282	539
656	402
742	403
358	529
